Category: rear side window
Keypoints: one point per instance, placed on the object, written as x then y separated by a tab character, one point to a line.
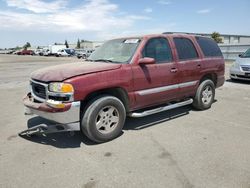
159	49
185	49
209	47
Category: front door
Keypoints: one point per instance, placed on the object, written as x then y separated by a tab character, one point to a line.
156	83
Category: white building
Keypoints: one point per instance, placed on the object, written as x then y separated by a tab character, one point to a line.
231	39
90	44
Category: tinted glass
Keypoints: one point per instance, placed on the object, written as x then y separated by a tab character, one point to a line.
185	49
209	47
159	49
246	54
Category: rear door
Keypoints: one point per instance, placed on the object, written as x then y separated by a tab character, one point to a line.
156	83
189	65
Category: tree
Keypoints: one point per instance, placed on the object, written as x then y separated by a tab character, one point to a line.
27	45
216	36
17	48
78	44
66	44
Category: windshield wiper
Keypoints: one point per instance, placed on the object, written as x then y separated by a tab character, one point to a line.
105	60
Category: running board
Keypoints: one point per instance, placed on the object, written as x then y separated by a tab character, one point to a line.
160	109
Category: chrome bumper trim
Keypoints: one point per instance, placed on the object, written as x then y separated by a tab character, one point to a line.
166	88
70	116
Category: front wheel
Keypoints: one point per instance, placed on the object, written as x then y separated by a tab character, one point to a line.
204	95
103	119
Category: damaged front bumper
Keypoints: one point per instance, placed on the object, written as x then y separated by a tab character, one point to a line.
67	117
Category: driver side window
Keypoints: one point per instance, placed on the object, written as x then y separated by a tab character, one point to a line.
159	49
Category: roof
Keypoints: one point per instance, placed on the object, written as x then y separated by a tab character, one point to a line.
158	35
207	34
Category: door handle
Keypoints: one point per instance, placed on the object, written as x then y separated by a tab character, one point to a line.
199	65
173	70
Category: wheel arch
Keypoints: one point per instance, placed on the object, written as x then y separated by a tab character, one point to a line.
210	76
117	92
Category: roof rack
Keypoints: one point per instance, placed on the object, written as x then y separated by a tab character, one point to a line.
175	33
183	33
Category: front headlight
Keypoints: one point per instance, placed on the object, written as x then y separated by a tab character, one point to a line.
59	87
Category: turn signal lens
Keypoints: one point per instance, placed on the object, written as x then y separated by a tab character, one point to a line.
67	88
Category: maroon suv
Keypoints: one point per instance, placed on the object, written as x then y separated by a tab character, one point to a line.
135	77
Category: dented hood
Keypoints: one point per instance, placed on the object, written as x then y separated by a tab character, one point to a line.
64	71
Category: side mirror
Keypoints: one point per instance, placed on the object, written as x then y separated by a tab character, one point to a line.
146	60
240	55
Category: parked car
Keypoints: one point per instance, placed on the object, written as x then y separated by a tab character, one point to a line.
84	54
240	69
38	51
132	77
25	52
81	54
65	52
6	51
10	52
16	52
45	52
70	51
62	53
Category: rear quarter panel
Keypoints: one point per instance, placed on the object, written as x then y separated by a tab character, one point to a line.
211	65
214	65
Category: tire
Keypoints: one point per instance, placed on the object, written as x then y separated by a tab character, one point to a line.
205	94
84	57
103	119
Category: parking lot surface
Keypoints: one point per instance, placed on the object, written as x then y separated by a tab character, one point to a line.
178	148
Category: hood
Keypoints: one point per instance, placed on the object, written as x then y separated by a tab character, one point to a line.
243	61
64	71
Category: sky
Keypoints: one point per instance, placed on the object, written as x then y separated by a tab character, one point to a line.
44	22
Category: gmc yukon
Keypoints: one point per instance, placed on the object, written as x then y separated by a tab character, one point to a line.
136	76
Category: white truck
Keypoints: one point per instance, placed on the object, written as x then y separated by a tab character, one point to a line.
53	49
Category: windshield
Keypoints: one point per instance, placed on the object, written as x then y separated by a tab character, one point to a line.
115	51
246	54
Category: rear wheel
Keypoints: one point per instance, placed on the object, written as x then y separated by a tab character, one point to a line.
103	119
204	95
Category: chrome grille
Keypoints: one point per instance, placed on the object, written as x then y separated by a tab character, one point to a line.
245	68
38	90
